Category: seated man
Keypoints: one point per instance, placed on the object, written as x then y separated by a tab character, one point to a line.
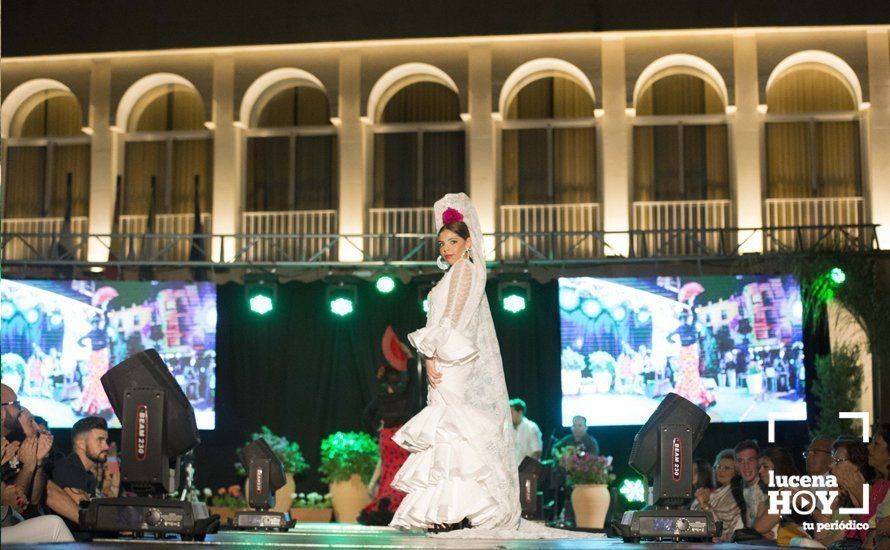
527	436
579	438
83	471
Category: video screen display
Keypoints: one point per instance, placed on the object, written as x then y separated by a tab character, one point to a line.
733	345
59	337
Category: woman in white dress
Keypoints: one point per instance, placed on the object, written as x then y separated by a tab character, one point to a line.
461	471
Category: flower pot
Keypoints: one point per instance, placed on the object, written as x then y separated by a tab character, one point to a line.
283	498
571	382
754	383
603	381
348	499
591	503
311	515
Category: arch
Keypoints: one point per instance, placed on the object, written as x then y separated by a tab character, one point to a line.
140	89
540	68
681	63
398	77
819	57
266	86
25	96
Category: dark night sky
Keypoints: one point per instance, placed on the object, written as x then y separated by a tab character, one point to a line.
35	27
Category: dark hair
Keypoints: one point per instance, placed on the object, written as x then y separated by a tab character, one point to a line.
518	405
738	495
458	228
883	430
88	424
783	463
40	420
704	472
747	444
858	452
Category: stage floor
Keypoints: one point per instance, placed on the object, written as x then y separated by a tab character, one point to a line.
333	535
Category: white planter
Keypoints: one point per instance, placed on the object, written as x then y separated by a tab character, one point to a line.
755	383
571	382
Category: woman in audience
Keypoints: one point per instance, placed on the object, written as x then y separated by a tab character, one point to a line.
726	502
777	460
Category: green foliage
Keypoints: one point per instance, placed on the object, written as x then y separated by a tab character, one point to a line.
311	500
837	388
288	452
346	453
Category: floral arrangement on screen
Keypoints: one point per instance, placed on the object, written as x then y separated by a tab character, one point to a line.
311	500
586	468
346	453
226	497
288	452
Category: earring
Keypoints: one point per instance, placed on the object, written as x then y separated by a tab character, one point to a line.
466	253
442	264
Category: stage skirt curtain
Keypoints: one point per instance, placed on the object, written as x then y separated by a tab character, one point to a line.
415	168
812	158
527	153
658	149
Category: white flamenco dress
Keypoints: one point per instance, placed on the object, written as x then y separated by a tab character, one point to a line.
462	463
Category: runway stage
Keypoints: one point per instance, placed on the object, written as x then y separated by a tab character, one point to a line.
333	535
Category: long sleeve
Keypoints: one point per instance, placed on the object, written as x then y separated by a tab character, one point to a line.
444	339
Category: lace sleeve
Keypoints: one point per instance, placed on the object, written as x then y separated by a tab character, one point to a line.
458	293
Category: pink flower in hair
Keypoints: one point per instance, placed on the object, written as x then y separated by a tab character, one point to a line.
451	215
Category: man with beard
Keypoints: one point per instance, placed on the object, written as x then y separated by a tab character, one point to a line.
83	471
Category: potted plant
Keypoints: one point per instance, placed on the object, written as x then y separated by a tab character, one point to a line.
572	365
754	379
589	475
311	508
348	460
602	366
225	502
288	452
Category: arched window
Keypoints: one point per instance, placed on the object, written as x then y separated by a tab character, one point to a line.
419	147
812	135
680	141
45	147
167	142
292	153
549	144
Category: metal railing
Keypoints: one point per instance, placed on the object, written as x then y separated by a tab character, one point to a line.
132	242
397	232
292	225
44	238
796	213
552	220
165	249
680	228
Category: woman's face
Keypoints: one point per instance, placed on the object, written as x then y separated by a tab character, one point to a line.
878	453
452	246
725	471
766	466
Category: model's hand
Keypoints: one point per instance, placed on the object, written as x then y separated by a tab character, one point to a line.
432	373
44	444
15	498
28	452
9	450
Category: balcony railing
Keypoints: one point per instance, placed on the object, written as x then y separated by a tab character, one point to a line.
395	233
45	237
577	222
166	243
681	228
293	226
797	214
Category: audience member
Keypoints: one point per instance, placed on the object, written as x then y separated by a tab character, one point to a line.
579	438
528	441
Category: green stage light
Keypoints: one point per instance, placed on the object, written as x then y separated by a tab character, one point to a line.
386	284
514	303
262	304
341	306
425	305
633	490
837	275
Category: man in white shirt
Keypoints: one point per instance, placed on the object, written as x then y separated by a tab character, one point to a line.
527	434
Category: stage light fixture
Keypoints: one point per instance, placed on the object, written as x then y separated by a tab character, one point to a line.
633	490
425	305
837	275
514	295
385	284
342	299
261	291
